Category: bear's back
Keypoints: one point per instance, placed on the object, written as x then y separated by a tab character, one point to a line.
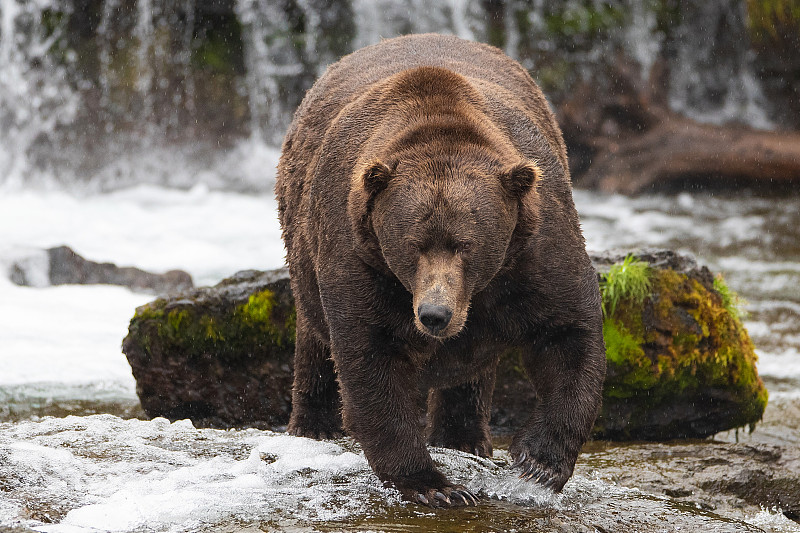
329	137
508	87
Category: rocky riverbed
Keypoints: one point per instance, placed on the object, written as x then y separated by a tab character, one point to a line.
77	473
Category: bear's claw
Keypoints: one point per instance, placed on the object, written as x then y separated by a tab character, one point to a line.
466	497
520	460
446	497
534	471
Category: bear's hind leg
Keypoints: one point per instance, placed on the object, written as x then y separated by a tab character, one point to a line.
458	417
316	404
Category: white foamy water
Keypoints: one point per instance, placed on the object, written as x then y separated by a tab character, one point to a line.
102	473
70	336
210	234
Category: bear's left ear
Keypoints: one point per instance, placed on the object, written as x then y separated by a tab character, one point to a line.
376	178
518	179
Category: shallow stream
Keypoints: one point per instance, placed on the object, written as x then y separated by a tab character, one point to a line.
60	356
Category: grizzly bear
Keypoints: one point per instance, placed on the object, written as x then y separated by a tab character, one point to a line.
427	213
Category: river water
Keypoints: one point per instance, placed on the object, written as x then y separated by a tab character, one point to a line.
66	467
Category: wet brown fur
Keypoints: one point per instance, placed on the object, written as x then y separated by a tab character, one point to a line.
431	168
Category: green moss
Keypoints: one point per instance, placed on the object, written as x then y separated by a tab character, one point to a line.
629	280
768	19
621	347
227	333
210	330
689	345
217	45
175	318
624	353
668	15
588	20
258	313
555	74
732	302
258	309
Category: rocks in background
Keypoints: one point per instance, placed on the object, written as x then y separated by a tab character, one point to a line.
62	266
680	363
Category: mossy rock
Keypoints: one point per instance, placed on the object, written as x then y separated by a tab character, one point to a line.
221	356
680	364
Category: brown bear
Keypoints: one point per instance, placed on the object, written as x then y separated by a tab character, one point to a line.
427	212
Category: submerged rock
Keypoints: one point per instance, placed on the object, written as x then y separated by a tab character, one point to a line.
62	266
680	363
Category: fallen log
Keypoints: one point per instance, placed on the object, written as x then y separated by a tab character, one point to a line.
622	137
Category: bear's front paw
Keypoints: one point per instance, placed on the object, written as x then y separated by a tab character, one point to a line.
431	489
536	470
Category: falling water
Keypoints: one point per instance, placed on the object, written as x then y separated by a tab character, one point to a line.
193	91
35	95
713	78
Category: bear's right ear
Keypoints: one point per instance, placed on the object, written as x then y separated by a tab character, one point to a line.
518	179
376	178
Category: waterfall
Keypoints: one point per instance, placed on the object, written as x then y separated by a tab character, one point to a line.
107	94
714	79
35	95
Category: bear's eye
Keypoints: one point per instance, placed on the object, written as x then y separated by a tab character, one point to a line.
464	247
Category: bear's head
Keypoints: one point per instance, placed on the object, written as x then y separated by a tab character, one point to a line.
443	228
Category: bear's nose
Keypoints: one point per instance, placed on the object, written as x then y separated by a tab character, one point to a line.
434	317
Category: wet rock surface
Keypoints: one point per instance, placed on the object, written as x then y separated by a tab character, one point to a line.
62	266
222	356
709	476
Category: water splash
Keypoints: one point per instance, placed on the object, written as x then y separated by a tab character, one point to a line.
82	474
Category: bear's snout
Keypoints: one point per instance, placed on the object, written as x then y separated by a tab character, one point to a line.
440	297
434	317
